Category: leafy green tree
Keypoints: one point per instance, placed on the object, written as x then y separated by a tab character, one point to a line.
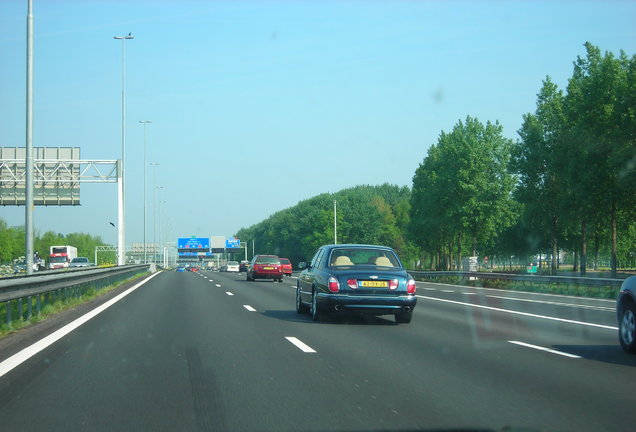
462	191
538	162
601	141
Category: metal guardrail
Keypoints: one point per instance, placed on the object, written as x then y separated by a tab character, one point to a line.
18	294
574	280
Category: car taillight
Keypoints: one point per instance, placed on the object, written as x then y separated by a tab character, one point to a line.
333	284
410	286
393	284
352	283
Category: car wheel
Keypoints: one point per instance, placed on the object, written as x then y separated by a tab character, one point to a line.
315	313
627	328
404	317
300	307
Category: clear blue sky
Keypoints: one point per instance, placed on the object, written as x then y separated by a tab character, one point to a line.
258	105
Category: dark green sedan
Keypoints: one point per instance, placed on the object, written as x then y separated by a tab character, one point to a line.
355	278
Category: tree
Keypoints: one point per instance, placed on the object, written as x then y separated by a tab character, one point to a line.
538	162
462	191
601	140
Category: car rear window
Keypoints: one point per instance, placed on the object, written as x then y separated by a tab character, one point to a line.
284	261
268	260
360	256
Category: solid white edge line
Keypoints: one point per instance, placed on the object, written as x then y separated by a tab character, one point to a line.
300	345
540	348
521	313
28	352
249	308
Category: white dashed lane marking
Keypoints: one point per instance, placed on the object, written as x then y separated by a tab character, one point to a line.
300	345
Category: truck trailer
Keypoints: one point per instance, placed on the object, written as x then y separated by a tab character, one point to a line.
61	256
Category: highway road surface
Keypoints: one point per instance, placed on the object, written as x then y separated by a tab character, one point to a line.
211	351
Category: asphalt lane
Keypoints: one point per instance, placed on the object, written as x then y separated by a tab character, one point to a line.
211	351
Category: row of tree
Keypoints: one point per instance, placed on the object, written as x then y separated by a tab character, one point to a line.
363	214
12	243
568	183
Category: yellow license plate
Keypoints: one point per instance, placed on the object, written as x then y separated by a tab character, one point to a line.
268	268
374	284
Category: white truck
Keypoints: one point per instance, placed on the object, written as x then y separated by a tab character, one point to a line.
61	256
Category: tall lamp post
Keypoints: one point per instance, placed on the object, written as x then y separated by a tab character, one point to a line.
335	223
154	234
144	123
162	227
28	189
154	209
121	242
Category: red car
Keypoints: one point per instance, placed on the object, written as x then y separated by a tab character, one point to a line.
265	267
287	266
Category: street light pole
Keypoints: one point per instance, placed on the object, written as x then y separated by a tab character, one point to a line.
155	222
154	209
162	227
145	122
335	224
121	242
28	190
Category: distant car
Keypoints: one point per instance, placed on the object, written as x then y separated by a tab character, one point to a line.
626	314
180	268
287	266
80	262
232	266
244	265
358	278
265	267
194	269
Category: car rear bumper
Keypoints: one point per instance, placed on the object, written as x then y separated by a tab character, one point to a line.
267	275
376	305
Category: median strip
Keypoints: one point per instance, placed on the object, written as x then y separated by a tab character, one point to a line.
300	345
540	348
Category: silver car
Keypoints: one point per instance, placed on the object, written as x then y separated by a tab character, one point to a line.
80	262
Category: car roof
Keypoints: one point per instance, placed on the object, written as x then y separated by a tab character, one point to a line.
356	246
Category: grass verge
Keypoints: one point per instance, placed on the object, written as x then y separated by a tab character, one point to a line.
606	292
